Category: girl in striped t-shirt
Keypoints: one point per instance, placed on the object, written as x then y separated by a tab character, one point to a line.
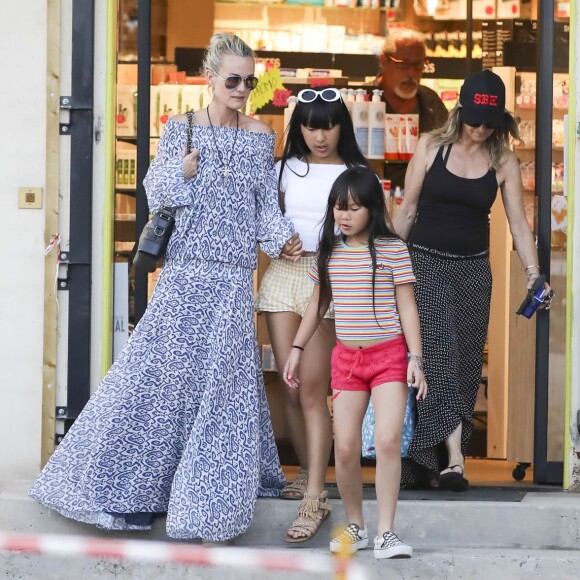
366	271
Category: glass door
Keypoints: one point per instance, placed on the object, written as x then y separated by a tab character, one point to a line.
550	184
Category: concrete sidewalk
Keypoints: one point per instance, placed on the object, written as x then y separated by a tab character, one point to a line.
538	537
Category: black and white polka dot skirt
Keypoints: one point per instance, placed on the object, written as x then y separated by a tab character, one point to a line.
453	296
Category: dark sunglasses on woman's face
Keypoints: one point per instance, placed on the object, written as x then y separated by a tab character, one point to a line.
233	81
477	125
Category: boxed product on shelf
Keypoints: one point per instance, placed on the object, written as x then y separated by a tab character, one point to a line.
127	73
168	104
408	135
508	9
391	136
194	97
528	172
448	91
126	111
153	144
559	221
154	111
558	133
457	9
126	166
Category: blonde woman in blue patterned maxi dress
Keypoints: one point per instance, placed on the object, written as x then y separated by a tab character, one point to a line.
180	424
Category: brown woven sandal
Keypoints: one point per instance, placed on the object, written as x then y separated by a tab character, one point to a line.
297	488
313	510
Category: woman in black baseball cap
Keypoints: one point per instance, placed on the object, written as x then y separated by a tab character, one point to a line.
450	186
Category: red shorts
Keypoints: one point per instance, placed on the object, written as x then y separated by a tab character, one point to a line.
361	369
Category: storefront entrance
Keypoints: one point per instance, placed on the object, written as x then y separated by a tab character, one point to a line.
520	411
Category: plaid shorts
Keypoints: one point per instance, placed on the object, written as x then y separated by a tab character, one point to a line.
286	287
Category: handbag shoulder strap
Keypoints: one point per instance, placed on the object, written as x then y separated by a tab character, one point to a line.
189	115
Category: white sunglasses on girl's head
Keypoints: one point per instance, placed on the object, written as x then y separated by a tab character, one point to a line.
329	95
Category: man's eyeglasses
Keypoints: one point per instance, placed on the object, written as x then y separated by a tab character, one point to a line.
233	81
308	95
418	65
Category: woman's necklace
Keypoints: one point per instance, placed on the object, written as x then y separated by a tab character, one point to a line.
226	166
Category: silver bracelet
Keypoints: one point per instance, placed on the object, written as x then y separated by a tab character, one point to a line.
418	360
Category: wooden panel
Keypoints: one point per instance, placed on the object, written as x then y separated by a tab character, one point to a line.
521	372
189	24
499	341
497	368
52	184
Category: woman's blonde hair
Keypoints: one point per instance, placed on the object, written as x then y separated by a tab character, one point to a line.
498	143
220	44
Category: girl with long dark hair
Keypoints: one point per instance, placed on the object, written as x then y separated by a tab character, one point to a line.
320	145
366	272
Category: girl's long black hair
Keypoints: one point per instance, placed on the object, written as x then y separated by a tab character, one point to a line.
319	114
366	190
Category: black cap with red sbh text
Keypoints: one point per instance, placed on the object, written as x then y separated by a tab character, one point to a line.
482	100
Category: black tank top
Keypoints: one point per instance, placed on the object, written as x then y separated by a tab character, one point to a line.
453	211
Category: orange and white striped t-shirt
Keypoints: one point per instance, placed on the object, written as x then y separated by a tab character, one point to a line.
350	274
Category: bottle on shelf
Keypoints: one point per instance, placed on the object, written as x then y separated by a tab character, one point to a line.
360	121
408	135
377	110
350	100
397	201
391	136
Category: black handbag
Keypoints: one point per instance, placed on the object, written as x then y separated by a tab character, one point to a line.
154	238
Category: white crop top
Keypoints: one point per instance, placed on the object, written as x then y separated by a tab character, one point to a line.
306	188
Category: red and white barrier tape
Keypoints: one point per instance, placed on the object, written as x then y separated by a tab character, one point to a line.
191	554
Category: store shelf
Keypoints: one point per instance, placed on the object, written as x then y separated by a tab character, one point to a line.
124	230
285	5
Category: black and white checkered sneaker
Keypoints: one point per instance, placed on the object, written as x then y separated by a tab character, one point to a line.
389	546
350	540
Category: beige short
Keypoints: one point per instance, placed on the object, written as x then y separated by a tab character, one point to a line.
286	287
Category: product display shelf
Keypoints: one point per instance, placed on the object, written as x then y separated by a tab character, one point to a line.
298	6
525	111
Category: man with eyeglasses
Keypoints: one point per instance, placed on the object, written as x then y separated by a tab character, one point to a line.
402	64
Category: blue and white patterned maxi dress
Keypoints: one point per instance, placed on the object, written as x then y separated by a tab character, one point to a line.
180	424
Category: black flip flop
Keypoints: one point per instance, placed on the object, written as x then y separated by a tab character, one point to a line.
453	481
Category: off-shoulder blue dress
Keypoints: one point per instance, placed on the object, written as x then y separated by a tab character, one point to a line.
180	424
